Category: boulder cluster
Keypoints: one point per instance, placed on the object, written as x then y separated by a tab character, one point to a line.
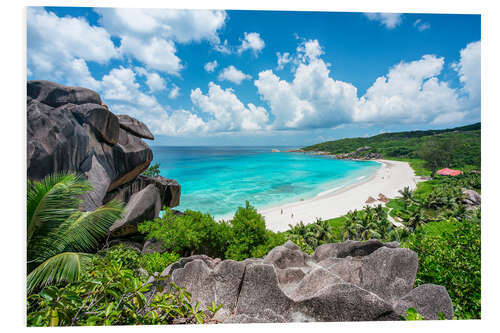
70	129
349	281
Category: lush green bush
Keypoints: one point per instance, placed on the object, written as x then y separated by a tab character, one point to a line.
123	255
249	237
110	294
192	233
197	233
156	262
452	258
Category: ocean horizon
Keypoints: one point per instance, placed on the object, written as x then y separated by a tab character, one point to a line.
219	179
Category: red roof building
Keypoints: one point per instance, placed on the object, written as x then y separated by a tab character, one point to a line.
449	172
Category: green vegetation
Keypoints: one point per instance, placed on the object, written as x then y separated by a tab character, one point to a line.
152	171
243	237
450	255
110	292
58	233
67	286
412	314
466	143
156	262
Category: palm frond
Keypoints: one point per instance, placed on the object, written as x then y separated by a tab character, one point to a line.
82	231
51	201
66	266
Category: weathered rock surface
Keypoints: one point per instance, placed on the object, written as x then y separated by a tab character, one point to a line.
100	118
428	300
349	281
134	126
169	190
54	94
143	205
69	129
471	199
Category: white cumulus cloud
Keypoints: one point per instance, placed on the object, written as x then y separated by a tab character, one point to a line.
311	100
56	50
233	75
155	53
469	70
174	92
210	66
389	20
283	59
252	41
410	93
153	80
121	92
180	25
227	112
150	35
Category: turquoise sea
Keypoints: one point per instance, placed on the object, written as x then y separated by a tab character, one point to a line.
218	180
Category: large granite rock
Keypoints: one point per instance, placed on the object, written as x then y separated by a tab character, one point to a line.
54	94
69	129
349	281
134	126
169	190
428	300
143	205
100	118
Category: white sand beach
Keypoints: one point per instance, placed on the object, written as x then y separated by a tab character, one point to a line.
388	180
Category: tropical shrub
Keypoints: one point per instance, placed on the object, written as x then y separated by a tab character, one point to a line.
156	262
58	233
197	233
452	259
110	294
192	233
152	171
249	237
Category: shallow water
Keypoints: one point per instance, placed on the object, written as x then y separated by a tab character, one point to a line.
218	180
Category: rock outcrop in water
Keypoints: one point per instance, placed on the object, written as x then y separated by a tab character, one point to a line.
349	281
70	129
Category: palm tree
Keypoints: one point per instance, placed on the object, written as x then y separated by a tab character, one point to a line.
352	225
58	233
416	219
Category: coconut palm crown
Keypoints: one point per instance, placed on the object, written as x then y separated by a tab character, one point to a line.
58	233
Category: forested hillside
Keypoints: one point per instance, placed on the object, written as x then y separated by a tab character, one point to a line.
465	141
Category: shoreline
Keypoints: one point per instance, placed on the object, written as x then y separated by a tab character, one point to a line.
391	177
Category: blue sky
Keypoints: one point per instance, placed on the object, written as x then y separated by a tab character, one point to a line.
341	74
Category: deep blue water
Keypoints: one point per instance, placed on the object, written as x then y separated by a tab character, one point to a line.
220	179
